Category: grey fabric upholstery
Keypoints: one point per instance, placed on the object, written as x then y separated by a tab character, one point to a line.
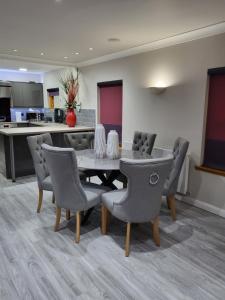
40	166
143	142
68	190
141	201
179	152
81	141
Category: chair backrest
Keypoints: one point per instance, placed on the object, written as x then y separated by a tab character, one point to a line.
143	142
146	179
40	166
179	152
62	165
80	140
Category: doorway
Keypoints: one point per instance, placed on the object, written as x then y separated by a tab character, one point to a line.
110	106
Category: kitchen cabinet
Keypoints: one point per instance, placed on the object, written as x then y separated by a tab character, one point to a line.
27	94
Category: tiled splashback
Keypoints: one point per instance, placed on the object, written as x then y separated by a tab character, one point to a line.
86	117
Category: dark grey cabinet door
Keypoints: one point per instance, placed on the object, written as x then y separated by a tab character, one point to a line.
36	94
27	94
17	94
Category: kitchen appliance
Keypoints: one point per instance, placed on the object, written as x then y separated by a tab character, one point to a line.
5	95
5	89
35	116
59	115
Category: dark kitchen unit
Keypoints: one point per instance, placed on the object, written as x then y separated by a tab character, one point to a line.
5	101
59	115
15	157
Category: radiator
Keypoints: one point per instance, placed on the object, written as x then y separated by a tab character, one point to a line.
182	187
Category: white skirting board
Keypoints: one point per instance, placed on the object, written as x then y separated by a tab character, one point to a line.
203	205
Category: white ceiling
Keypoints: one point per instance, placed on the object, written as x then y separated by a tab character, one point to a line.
60	28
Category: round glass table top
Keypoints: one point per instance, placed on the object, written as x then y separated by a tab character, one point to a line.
86	159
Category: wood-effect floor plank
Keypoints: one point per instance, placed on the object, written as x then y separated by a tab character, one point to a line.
38	263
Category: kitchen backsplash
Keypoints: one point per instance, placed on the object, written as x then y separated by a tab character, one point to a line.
86	117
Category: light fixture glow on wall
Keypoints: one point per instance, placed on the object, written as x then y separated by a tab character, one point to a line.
158	88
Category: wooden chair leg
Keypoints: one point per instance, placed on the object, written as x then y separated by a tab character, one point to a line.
104	218
77	227
53	198
58	217
155	231
127	242
172	206
168	203
40	198
67	214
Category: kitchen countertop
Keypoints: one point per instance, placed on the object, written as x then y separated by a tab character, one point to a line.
42	127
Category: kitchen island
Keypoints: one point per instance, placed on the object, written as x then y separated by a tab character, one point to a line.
15	157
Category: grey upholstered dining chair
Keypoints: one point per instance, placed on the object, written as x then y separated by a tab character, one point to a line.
68	190
143	142
81	141
41	170
141	201
179	152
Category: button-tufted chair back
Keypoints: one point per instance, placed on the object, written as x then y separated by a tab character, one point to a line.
143	142
179	152
40	165
146	179
80	141
62	165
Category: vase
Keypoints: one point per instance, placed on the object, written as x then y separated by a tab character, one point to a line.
71	117
100	143
112	150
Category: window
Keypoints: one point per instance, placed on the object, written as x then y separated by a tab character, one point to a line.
214	152
110	106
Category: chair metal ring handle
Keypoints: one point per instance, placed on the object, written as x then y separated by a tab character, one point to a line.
154	178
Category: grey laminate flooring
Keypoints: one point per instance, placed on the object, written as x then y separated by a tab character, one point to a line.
37	263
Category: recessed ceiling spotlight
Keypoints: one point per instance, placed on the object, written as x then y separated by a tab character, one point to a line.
77	53
23	69
91	49
113	40
42	53
65	57
15	50
58	1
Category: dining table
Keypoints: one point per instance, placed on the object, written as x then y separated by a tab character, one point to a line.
105	168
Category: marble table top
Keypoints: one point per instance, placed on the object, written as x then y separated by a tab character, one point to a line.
86	159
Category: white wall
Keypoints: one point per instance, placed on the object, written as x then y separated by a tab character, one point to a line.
20	76
51	80
177	112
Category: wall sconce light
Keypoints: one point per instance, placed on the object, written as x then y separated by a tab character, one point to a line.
157	90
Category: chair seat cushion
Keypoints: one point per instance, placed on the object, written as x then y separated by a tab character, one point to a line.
113	197
93	193
47	184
